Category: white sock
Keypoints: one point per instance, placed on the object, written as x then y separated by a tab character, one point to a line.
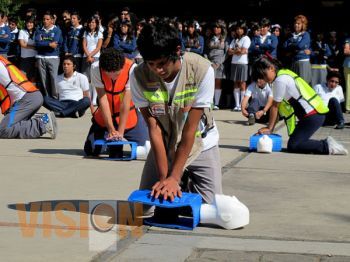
242	95
217	95
236	95
93	94
142	151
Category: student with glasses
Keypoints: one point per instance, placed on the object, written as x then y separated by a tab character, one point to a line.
332	94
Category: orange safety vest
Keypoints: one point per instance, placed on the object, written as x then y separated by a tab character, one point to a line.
115	92
16	77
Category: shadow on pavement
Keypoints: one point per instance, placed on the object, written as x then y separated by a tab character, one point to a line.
62	151
239	148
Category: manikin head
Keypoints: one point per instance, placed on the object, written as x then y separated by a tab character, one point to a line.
226	211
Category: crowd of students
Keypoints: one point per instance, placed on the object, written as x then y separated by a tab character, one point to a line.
39	47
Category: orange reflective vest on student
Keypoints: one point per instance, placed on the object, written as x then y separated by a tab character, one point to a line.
115	93
16	77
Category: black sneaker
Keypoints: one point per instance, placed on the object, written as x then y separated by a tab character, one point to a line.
251	119
341	125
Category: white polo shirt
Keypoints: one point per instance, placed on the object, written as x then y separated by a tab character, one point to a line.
72	88
91	41
261	94
27	52
327	93
243	42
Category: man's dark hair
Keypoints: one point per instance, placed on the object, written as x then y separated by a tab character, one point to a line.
111	60
72	59
157	41
49	13
77	14
332	74
265	22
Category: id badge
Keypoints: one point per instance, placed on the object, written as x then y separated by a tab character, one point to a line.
158	110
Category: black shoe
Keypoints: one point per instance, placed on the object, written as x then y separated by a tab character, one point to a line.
251	119
341	125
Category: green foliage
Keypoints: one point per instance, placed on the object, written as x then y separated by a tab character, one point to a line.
9	7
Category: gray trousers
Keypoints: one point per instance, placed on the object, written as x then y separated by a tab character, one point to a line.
18	123
48	70
204	174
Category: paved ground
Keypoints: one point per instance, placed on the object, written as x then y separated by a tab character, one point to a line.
299	204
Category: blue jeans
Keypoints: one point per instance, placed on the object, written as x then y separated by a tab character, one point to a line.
67	108
254	107
300	142
335	114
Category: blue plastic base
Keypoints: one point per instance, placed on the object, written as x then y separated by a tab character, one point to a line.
276	140
133	145
194	201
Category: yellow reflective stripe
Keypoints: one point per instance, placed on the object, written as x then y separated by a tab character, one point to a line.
318	66
18	74
186	92
157	96
185	95
184	99
2	96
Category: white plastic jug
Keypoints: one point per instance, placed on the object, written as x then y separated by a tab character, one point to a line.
264	144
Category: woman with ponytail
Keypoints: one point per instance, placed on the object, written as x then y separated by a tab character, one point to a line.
294	99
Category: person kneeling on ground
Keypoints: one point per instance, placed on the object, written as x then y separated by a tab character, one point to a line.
174	92
19	101
293	97
332	95
257	101
73	92
116	117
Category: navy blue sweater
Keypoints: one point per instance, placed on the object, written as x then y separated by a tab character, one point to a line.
43	38
195	45
5	39
320	52
73	42
298	46
14	48
270	45
128	47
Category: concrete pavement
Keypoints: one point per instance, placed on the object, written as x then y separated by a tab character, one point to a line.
299	204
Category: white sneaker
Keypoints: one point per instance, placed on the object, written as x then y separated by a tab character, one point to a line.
50	124
235	108
216	108
336	148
